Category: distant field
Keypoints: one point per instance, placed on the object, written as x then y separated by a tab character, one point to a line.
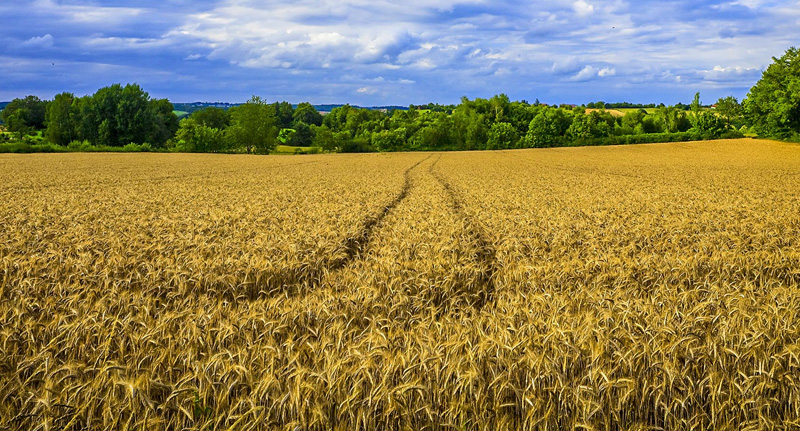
613	112
646	287
626	110
288	149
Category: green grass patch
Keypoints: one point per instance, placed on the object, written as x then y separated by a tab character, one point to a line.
626	110
288	149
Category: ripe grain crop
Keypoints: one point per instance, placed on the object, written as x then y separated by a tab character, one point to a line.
651	287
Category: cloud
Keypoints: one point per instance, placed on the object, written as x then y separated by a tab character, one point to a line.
590	72
731	74
566	66
42	42
606	72
582	8
410	52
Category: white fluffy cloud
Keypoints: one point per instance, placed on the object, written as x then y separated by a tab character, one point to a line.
583	8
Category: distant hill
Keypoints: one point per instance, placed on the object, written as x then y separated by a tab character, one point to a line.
186	109
329	108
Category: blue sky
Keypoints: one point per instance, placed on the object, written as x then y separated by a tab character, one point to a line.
378	52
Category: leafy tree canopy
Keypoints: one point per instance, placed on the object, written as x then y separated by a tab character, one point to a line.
25	115
773	104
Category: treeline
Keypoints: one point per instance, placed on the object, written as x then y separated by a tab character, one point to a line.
499	123
118	117
114	116
126	117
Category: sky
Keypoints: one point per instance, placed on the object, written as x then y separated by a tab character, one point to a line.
379	52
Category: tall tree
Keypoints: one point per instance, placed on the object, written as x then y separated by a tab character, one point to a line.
60	119
284	113
306	113
254	126
469	127
216	118
165	122
547	128
773	105
303	136
729	109
134	116
673	119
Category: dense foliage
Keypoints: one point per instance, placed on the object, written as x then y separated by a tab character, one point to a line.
773	104
116	116
23	116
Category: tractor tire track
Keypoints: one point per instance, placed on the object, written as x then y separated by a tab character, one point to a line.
356	245
299	280
485	250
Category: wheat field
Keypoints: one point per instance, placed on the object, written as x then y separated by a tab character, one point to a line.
648	287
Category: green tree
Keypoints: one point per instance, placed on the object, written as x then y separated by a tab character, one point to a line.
632	119
389	140
303	136
499	105
194	136
547	128
254	126
165	122
469	127
520	116
337	118
773	105
117	116
60	119
85	119
729	110
709	125
502	136
326	139
284	114
24	116
672	119
135	117
436	133
588	126
696	108
306	113
216	118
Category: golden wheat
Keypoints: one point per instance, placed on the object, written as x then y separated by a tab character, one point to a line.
652	287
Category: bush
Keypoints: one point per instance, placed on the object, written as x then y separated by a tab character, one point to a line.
137	148
25	147
80	146
731	134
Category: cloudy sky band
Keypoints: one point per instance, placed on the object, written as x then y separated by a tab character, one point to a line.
384	52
